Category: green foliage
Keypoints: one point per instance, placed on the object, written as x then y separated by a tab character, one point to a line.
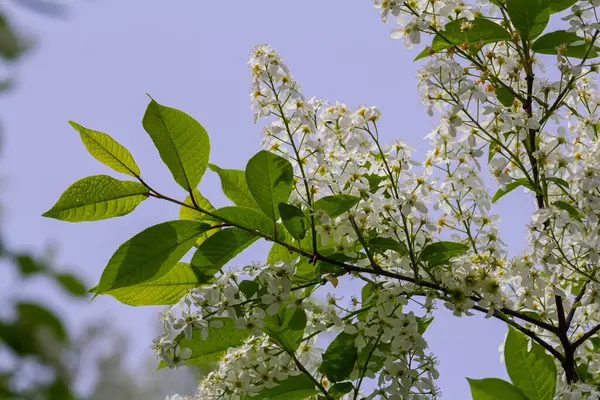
97	197
250	219
532	371
441	252
505	96
529	17
385	243
294	220
510	187
293	388
107	150
168	289
286	328
573	212
552	41
71	284
11	44
150	254
482	31
181	141
270	178
560	5
219	249
33	317
339	358
336	205
192	214
494	389
340	389
233	184
218	341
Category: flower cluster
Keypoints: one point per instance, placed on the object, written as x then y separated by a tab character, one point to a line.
421	229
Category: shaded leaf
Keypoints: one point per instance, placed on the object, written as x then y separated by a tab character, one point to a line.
71	284
219	249
550	42
233	184
33	317
191	214
339	358
441	252
573	212
385	243
294	220
269	178
529	17
482	31
297	387
340	389
335	205
286	327
510	187
150	254
218	341
560	5
251	219
168	289
505	97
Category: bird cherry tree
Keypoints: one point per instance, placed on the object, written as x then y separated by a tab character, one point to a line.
340	208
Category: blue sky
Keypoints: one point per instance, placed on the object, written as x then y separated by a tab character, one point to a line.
95	69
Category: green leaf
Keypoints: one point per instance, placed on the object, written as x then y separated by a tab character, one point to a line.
482	31
191	214
550	42
28	265
510	187
494	389
219	249
107	150
533	372
249	288
286	328
294	220
558	181
33	317
339	358
181	141
248	218
560	5
168	289
270	178
279	253
385	243
340	389
573	212
59	390
71	284
233	184
336	205
150	254
424	324
529	17
217	343
505	96
97	197
297	387
441	252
